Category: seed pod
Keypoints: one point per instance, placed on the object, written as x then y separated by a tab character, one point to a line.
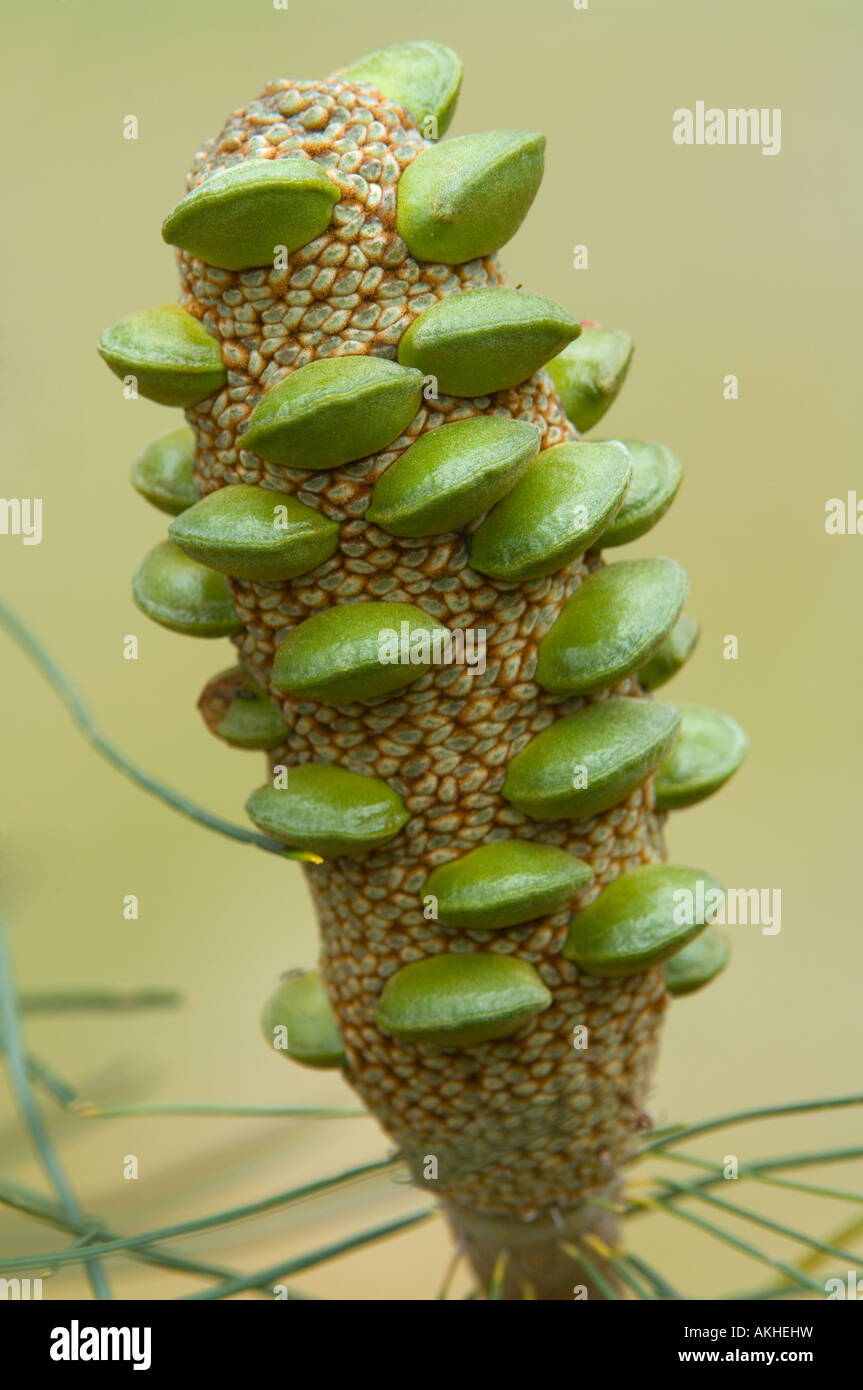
482	341
504	884
710	749
698	963
611	625
238	217
452	474
467	197
641	919
589	373
589	761
333	411
673	653
163	472
656	475
423	77
554	513
356	651
169	353
177	592
254	533
458	1000
329	810
298	1022
235	708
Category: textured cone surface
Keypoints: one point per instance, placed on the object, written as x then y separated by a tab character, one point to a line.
518	1125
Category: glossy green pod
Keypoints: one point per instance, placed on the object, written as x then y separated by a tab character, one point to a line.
452	475
240	216
586	762
671	655
656	477
177	592
504	884
164	472
698	963
255	533
710	750
328	810
169	353
460	1000
333	411
298	1023
613	622
239	711
641	919
356	651
424	77
589	373
554	513
485	340
466	197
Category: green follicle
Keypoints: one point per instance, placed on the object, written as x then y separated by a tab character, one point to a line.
671	655
641	919
589	373
299	1024
466	197
174	590
333	411
168	352
611	625
554	513
255	533
241	216
459	1000
587	762
710	749
328	810
240	711
504	884
698	963
163	472
656	476
482	341
423	77
452	475
356	651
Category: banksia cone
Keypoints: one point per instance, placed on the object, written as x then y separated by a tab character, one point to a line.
400	528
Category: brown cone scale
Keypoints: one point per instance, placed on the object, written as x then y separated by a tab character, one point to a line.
525	1128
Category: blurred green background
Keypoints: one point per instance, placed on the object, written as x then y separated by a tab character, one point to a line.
718	260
